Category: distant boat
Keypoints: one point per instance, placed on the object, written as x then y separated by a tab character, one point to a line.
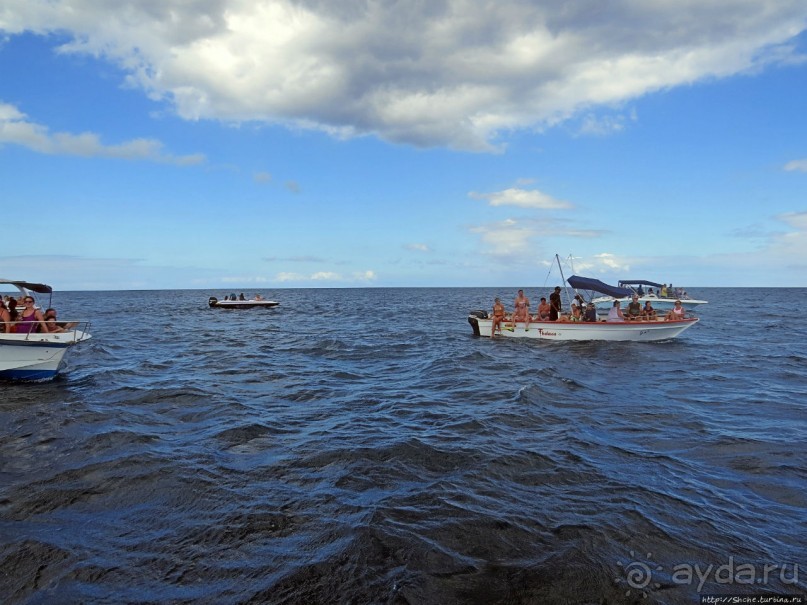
36	355
634	286
232	302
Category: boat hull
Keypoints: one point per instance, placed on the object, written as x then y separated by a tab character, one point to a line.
630	331
35	356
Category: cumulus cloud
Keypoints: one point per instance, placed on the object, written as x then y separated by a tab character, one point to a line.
513	240
523	198
455	72
17	129
797	165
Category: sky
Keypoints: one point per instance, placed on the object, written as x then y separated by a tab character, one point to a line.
252	145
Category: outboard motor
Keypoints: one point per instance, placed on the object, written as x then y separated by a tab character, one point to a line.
473	319
212	301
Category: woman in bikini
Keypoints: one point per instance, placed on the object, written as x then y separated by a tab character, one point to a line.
498	317
521	310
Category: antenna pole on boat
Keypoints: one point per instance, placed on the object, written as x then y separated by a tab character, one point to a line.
565	285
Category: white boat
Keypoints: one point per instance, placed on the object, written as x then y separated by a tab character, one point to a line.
232	302
35	355
637	331
660	303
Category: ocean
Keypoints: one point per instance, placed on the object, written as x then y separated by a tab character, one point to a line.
361	446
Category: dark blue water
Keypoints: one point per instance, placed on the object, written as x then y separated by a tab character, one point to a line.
361	446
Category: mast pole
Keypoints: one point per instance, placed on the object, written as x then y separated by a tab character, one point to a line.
565	285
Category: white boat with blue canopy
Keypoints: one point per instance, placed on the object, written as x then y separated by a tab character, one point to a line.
629	287
566	328
27	352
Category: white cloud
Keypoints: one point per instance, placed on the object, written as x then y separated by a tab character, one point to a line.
523	198
797	165
326	276
16	129
455	72
417	247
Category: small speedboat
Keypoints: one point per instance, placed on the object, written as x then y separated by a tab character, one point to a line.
36	355
231	302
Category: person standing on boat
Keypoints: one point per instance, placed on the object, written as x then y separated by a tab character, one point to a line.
521	310
554	304
498	317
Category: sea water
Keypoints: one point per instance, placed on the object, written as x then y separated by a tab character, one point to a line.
362	446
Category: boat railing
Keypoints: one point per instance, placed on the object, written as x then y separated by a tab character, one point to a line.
71	331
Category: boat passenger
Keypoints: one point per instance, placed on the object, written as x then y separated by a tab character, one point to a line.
576	314
5	318
543	310
648	311
634	308
499	313
615	314
677	312
591	313
13	314
55	326
554	304
521	310
31	319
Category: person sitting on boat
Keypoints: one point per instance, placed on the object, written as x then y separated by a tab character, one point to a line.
576	314
258	297
521	310
499	313
5	318
615	314
677	312
31	318
543	310
241	296
648	311
591	313
651	293
53	325
635	308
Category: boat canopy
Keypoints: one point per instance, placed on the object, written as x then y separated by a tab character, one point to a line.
589	283
39	288
639	282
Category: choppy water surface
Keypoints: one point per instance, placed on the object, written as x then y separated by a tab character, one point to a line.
361	446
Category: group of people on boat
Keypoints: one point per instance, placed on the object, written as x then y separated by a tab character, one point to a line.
636	312
30	319
664	291
579	311
547	311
